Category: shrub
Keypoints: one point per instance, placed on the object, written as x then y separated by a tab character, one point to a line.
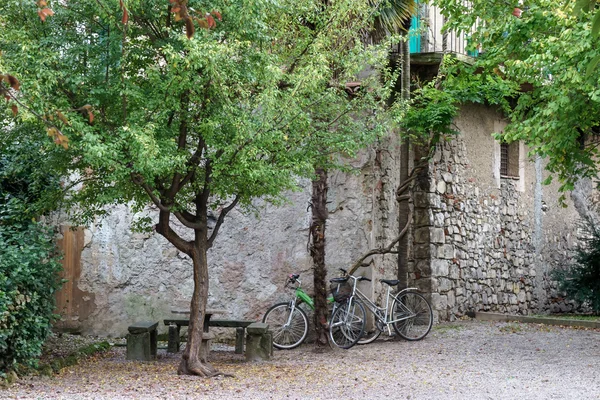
581	281
28	281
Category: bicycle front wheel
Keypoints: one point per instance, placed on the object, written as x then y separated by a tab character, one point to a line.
347	324
288	333
413	316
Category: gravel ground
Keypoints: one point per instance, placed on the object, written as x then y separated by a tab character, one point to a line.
461	360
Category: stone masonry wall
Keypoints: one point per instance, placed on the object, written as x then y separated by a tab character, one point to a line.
480	242
485	243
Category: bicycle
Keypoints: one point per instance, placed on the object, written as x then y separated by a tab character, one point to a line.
348	319
410	313
289	323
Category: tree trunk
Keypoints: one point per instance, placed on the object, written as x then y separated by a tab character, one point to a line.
404	204
191	363
317	251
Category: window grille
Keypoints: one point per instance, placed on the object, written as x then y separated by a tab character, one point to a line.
509	160
504	159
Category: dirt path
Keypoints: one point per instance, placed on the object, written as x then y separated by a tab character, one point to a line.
463	360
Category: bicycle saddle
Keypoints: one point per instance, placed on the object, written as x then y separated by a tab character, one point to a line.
391	282
338	280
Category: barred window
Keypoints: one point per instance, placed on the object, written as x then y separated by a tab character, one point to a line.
509	160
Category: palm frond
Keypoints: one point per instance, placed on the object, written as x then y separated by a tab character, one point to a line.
393	16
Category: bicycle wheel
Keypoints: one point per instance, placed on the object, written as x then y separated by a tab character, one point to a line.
347	324
416	315
371	331
286	336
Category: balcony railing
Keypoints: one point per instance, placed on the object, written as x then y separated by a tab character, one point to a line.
426	36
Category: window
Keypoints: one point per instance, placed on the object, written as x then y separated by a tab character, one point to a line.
509	160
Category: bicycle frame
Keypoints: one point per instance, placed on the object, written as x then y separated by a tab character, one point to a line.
376	310
300	296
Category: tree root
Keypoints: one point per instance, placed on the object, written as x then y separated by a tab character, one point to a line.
204	370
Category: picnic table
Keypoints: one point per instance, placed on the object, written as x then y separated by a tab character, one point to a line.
175	325
208	313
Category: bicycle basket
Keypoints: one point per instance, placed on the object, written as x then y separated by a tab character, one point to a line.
340	291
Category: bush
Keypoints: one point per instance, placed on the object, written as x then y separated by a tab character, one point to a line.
581	281
28	280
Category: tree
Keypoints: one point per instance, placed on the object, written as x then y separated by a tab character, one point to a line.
581	280
543	54
150	108
389	18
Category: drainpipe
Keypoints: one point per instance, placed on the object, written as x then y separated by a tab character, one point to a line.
540	268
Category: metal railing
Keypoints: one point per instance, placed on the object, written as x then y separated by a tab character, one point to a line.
426	36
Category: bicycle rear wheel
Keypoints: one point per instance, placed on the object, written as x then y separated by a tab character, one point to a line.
286	336
347	324
415	315
371	331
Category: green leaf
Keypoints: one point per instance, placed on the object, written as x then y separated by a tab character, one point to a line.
596	24
592	66
583	6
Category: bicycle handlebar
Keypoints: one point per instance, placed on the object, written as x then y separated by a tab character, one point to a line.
292	278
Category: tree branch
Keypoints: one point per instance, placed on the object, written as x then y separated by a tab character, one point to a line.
380	250
138	180
165	230
186	222
220	220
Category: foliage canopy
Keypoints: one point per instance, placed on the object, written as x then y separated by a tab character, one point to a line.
543	53
151	108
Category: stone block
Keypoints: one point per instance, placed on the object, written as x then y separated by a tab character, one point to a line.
422	235
142	341
426	285
423	251
444	284
439	220
441	187
449	251
447	177
438	235
421	199
439	267
439	302
451	299
423	217
259	342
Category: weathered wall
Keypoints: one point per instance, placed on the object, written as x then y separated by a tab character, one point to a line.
132	276
483	242
479	241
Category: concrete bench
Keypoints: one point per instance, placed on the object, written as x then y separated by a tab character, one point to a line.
142	341
259	342
176	324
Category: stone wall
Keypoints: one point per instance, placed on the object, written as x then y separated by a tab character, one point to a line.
479	241
484	242
130	277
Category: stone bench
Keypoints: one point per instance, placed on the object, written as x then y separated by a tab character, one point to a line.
142	341
174	333
259	342
176	324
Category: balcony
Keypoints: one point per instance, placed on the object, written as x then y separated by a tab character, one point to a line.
428	43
